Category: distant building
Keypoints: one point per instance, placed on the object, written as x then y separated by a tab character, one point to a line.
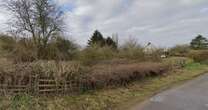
149	48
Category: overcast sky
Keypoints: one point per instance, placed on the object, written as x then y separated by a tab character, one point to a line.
162	22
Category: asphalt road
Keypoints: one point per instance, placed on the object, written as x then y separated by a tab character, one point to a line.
191	96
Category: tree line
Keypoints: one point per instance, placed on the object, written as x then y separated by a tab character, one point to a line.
98	39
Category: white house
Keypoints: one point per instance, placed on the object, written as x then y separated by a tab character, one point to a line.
149	48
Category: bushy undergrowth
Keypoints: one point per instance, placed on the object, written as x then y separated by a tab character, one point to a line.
6	45
92	68
200	56
128	51
26	50
95	54
103	99
123	74
132	51
87	78
60	49
180	50
51	69
177	62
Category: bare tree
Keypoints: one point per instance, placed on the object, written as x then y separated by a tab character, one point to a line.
39	19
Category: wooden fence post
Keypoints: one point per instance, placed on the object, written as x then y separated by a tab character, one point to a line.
36	84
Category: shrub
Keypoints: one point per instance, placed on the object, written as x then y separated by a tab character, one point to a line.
200	56
20	73
66	48
131	50
25	50
7	44
58	49
132	53
123	74
96	53
180	50
177	62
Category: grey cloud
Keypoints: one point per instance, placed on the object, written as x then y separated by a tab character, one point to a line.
163	22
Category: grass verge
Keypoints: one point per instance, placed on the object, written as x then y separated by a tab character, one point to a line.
106	99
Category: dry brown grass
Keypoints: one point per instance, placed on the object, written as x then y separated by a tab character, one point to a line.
85	78
122	74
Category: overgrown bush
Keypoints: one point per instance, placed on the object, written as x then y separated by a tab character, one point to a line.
83	78
59	70
180	50
58	49
61	49
131	50
25	50
123	74
200	56
177	62
7	44
95	54
21	73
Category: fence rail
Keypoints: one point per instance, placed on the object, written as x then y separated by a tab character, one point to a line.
37	85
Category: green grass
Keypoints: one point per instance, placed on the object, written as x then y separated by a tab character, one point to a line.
107	99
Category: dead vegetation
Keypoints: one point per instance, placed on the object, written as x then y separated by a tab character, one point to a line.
69	77
123	74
